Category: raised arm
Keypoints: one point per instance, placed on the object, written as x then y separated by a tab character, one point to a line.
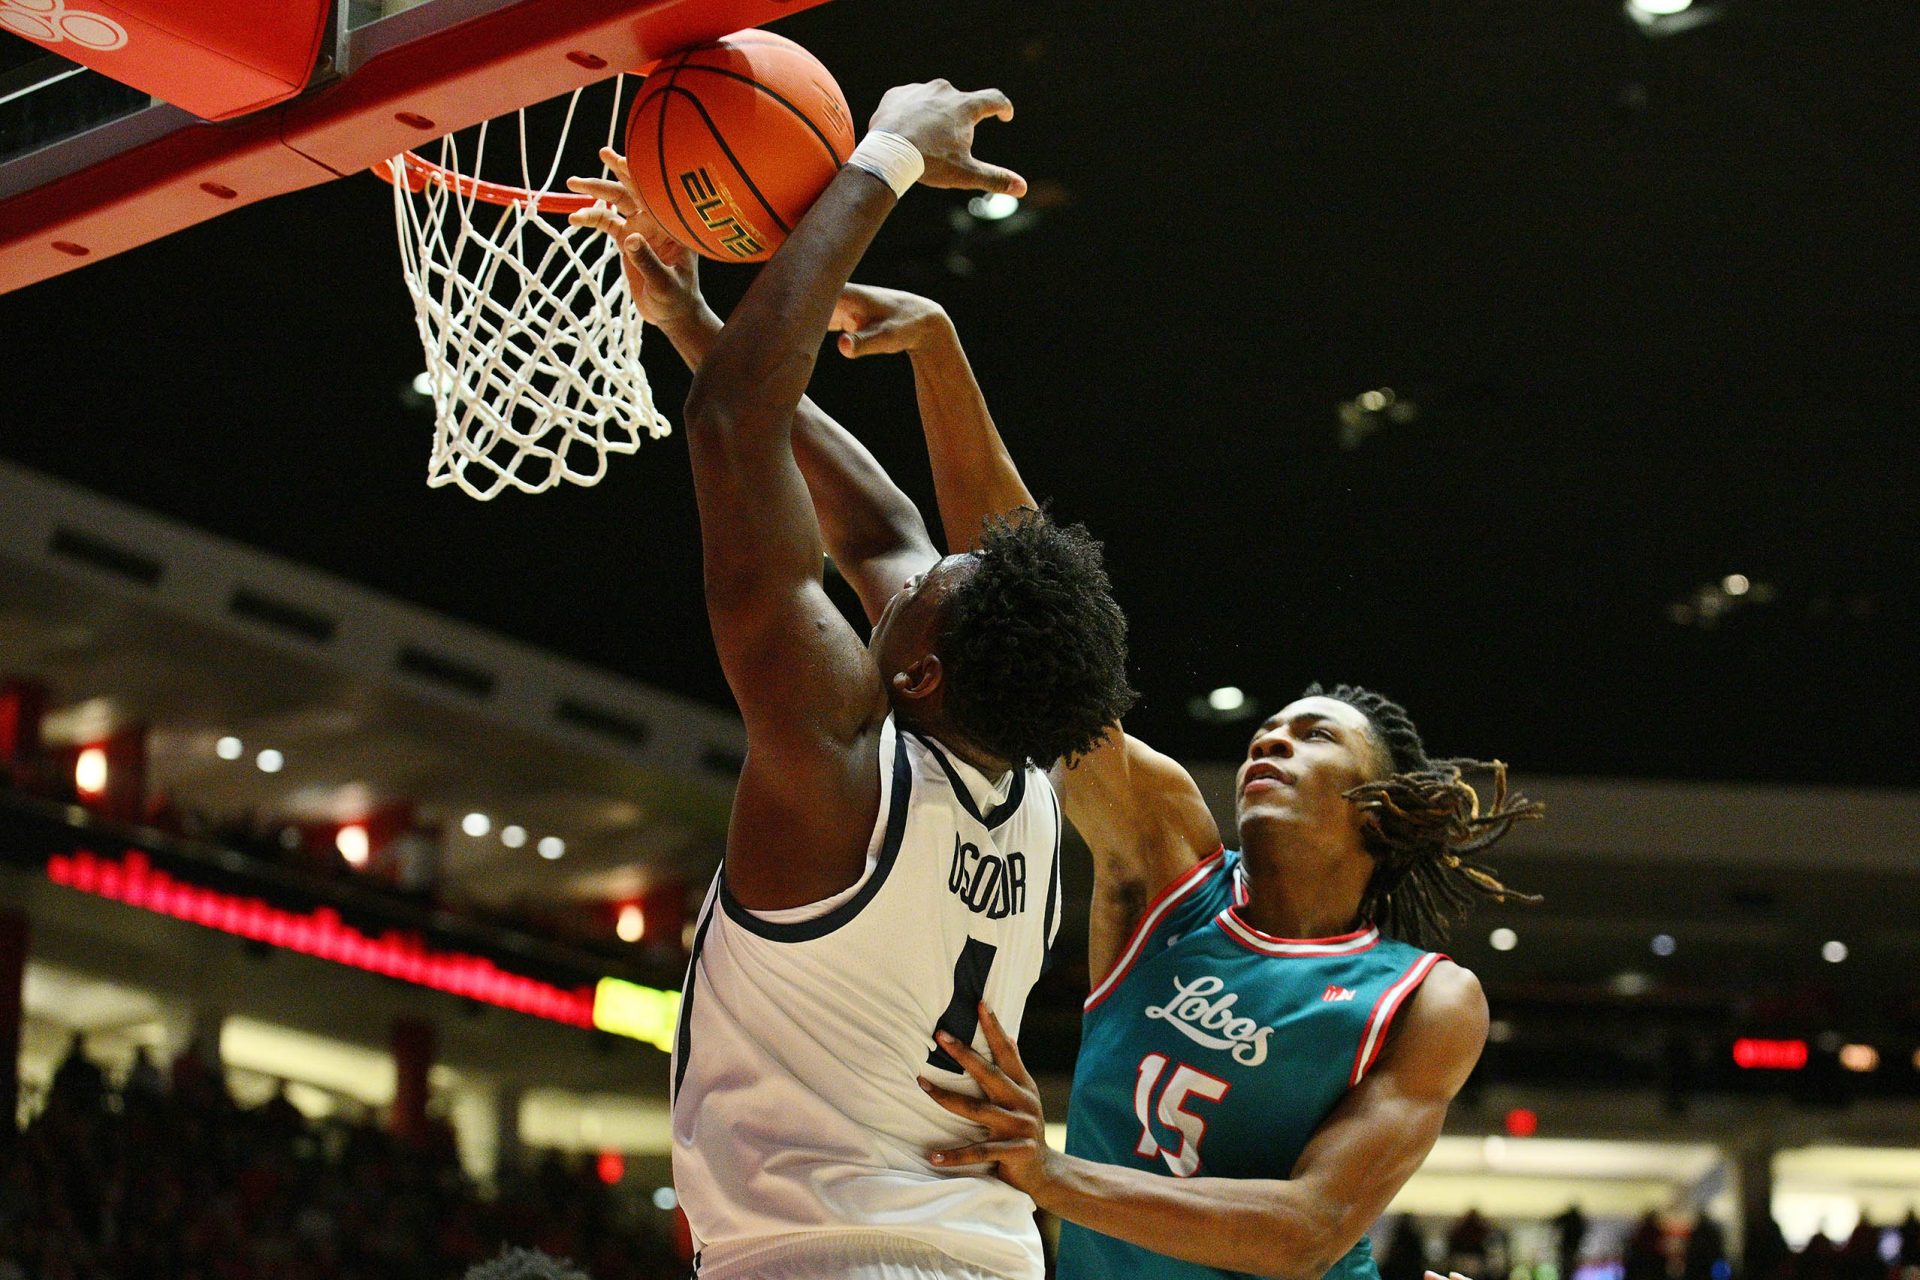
745	393
807	688
1139	811
1295	1228
874	533
974	476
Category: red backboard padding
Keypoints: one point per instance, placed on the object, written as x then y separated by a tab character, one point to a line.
216	58
187	173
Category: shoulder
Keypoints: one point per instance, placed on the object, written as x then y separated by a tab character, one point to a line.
1441	1033
803	821
1451	993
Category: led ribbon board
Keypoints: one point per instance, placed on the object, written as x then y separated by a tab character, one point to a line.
622	1008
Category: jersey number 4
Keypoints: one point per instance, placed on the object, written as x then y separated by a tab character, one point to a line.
1183	1083
962	1017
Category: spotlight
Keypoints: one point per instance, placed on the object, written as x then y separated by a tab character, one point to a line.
632	925
513	836
1736	584
270	761
552	847
352	842
1657	18
90	772
1663	944
1227	698
1503	939
476	824
1859	1057
664	1199
994	208
229	748
1833	952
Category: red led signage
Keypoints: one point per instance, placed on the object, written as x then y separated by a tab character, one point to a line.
1770	1055
321	933
1522	1123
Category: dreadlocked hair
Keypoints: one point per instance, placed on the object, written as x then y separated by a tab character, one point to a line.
1424	825
1034	647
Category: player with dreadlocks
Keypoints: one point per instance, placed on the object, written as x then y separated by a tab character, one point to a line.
1271	1045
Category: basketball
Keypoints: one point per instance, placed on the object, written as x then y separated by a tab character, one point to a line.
731	142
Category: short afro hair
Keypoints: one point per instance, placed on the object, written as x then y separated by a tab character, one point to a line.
1033	645
1425	824
525	1264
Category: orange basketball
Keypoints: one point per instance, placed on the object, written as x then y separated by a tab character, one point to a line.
731	142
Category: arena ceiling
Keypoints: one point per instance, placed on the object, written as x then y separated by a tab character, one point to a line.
1655	302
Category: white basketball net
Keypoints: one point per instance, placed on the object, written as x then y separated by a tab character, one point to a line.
532	343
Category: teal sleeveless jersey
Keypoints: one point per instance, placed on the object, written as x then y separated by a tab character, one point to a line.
1215	1050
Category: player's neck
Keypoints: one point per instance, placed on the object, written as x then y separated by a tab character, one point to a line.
1301	892
956	744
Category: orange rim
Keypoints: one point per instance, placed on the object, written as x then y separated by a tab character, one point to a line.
422	173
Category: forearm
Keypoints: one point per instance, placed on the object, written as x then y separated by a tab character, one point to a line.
752	379
973	474
864	517
1263	1226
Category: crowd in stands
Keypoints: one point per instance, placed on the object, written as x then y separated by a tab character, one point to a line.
1652	1250
167	1179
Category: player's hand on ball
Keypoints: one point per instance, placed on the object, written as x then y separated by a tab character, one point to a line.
1016	1141
874	322
939	119
662	274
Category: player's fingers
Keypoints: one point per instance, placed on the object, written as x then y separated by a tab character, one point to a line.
990	103
993	178
979	1153
599	218
601	189
955	1157
879	340
992	1080
1006	1054
965	1105
652	266
616	164
643	221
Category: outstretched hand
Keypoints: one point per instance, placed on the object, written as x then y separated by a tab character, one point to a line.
939	119
662	274
1016	1141
874	322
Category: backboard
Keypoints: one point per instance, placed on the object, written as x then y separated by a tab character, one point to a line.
90	166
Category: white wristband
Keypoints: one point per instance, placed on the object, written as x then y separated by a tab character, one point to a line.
890	158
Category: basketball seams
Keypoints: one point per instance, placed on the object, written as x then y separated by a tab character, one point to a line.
676	144
798	114
665	94
734	160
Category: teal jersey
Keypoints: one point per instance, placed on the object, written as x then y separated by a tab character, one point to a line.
1215	1050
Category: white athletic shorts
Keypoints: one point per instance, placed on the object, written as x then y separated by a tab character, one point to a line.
854	1256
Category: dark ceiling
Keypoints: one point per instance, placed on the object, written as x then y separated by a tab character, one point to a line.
1657	301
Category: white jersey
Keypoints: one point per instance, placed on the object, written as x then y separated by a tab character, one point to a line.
796	1119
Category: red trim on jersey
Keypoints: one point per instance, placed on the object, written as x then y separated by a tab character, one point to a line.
1346	944
1171	894
1384	1008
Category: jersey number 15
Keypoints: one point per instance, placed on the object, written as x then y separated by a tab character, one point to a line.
1182	1083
